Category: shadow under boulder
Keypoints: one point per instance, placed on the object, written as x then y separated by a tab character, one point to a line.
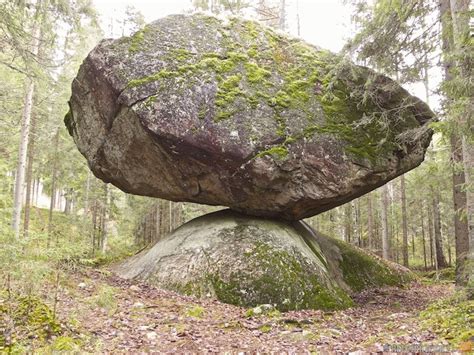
248	261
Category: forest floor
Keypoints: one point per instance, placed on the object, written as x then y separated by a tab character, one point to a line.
104	313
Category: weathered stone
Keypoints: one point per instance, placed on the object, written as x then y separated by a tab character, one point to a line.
251	261
235	114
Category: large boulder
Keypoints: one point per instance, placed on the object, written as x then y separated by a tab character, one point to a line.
249	261
192	108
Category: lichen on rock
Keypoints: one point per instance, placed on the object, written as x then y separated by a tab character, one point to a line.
228	111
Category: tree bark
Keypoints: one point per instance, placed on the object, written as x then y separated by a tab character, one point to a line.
29	180
370	221
386	249
440	260
430	235
25	127
404	221
423	238
347	222
461	16
282	19
105	220
53	186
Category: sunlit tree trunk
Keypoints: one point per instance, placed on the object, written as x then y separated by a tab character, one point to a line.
25	127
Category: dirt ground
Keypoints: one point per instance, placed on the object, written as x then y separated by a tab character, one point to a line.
108	314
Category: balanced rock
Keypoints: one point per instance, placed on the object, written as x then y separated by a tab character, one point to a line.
192	108
250	261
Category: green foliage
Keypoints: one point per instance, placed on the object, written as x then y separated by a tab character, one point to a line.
195	312
23	318
453	318
105	298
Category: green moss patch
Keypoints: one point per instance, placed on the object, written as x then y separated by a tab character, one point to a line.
254	66
276	277
452	319
361	271
24	318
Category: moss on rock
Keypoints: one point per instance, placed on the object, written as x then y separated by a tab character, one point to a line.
361	270
248	261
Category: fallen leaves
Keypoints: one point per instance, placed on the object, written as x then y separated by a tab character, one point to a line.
149	319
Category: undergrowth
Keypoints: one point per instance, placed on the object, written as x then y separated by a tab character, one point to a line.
452	319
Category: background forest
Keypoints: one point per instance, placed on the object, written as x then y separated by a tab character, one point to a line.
55	216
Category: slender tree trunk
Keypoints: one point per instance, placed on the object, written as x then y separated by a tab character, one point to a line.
86	197
53	185
105	219
386	249
370	221
404	221
430	236
468	157
29	180
38	186
347	222
358	222
440	260
282	19
423	238
25	127
298	27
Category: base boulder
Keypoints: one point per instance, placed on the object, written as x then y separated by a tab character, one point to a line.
249	261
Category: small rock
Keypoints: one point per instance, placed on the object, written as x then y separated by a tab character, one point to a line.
135	288
267	307
138	305
143	327
82	285
151	335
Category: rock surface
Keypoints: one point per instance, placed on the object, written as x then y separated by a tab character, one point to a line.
235	114
250	261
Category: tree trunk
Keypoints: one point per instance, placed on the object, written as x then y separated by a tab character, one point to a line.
105	219
430	236
458	179
440	260
53	186
386	250
25	127
282	19
404	221
347	222
461	38
29	180
423	238
370	221
468	157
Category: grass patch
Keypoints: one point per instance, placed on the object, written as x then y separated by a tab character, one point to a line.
195	312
